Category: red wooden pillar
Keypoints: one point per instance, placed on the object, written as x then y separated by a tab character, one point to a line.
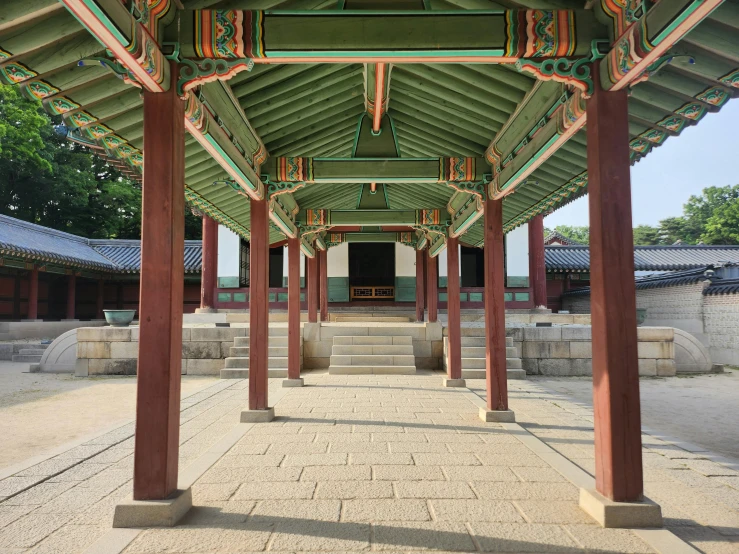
618	454
100	300
313	289
71	294
419	285
210	263
537	264
454	355
33	294
495	349
432	286
259	305
160	297
293	308
323	278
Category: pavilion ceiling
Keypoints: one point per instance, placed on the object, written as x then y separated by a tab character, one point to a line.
313	110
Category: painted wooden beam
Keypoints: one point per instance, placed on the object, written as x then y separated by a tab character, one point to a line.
492	36
435	219
649	37
463	173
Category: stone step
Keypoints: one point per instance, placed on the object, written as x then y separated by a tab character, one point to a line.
480	373
32	351
33	359
372	340
479	352
479	363
243	373
374	360
368	349
272	351
369	370
276	362
272	341
479	342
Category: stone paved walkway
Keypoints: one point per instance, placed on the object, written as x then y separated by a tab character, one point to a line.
355	463
697	489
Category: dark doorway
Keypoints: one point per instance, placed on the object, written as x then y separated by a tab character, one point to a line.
371	265
275	266
473	267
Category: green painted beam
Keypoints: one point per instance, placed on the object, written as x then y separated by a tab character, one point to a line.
367	36
371	217
378	170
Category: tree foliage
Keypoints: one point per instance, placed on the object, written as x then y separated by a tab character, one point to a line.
709	218
46	179
579	234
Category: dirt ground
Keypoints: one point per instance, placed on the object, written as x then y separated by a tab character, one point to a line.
55	409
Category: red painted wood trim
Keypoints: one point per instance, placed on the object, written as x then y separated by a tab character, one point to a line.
454	363
210	263
293	308
419	285
432	288
33	294
313	289
495	350
161	295
537	264
258	304
71	295
618	454
323	277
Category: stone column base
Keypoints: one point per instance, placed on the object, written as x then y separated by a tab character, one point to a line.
258	416
453	382
293	382
206	311
497	416
153	513
620	514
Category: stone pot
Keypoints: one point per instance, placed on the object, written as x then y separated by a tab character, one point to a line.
119	318
641	316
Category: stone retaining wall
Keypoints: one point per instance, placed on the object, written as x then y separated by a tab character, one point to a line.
567	350
114	351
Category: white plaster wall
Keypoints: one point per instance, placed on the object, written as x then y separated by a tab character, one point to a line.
405	260
285	264
442	263
337	264
228	252
517	252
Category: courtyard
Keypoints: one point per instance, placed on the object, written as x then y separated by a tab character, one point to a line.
382	463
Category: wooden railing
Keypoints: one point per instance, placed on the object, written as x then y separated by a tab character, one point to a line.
372	293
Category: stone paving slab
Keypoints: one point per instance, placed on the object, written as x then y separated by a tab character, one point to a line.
699	495
422	473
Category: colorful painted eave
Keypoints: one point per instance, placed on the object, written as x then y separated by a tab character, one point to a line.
525	120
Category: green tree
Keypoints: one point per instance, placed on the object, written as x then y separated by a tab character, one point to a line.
579	234
46	179
646	234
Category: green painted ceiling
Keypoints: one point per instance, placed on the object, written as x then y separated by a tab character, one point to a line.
313	110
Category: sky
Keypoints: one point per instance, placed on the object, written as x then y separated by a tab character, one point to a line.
703	155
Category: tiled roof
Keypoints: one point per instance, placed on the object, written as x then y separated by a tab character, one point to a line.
728	286
126	254
646	258
41	244
562	240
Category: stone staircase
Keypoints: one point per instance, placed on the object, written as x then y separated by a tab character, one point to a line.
473	358
352	355
237	364
29	353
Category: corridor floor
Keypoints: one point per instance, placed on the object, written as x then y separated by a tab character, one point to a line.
355	463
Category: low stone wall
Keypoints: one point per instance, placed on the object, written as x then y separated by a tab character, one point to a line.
567	350
17	330
114	350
